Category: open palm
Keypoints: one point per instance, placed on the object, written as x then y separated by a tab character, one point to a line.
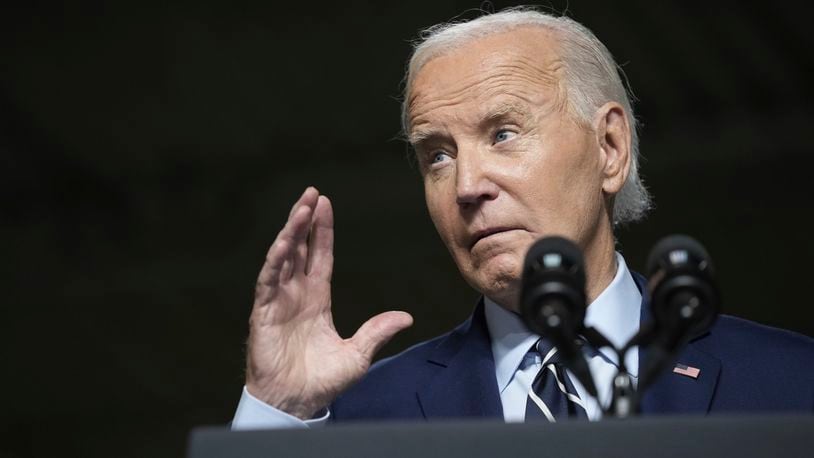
296	360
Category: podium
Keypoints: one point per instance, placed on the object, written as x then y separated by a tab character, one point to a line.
659	437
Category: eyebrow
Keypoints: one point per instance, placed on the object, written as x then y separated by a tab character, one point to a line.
422	135
494	114
503	110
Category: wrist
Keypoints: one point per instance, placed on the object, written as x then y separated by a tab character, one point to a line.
294	406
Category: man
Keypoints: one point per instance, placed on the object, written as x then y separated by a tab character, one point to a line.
522	129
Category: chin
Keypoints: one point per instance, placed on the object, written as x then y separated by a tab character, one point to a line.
498	278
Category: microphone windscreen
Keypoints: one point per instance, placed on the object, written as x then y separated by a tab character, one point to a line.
555	253
684	297
677	251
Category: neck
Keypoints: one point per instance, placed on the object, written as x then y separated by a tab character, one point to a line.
600	269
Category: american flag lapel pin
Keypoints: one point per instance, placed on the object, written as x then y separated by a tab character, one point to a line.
688	371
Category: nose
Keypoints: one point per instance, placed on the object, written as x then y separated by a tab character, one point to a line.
473	183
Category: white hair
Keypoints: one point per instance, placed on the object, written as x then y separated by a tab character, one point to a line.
591	79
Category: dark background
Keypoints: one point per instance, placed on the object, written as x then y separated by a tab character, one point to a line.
149	155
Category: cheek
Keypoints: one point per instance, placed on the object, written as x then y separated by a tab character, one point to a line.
561	184
438	207
583	189
576	161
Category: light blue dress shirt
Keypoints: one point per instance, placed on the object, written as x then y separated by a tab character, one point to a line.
615	313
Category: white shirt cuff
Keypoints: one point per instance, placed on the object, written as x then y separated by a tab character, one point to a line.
253	413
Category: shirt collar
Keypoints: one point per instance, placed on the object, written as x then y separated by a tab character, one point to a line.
614	313
511	340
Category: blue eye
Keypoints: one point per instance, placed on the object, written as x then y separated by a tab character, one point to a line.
503	135
438	157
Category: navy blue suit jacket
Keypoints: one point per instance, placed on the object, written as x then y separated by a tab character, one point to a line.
745	367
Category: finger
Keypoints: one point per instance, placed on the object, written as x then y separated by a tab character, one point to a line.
377	331
298	238
321	253
298	261
287	270
288	235
282	249
308	197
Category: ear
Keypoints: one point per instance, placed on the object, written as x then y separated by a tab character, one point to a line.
614	139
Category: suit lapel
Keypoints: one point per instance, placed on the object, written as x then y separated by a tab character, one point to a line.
466	384
672	392
676	393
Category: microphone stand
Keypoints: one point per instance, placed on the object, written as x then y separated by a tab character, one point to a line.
624	396
662	345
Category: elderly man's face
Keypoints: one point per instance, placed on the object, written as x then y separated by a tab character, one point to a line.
502	161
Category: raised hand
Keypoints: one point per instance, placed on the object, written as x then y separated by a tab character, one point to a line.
296	360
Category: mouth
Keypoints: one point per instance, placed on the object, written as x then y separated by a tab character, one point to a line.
488	232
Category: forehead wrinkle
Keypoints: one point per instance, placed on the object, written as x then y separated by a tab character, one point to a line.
514	87
547	73
536	81
498	97
436	118
532	74
430	129
493	100
505	108
456	96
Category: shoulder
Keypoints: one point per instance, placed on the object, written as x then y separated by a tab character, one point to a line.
762	367
733	336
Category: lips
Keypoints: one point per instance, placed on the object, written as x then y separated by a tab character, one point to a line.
483	233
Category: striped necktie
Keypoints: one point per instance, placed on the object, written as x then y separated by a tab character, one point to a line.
552	396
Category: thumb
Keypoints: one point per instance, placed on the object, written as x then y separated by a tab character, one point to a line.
377	331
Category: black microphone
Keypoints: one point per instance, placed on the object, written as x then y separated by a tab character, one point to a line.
552	300
684	298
